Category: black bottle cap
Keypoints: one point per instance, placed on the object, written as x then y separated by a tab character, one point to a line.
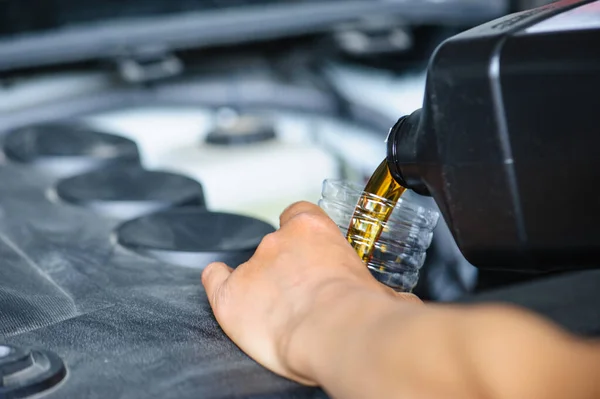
26	372
194	237
64	149
128	192
402	153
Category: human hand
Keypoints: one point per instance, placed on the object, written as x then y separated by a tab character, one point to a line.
306	268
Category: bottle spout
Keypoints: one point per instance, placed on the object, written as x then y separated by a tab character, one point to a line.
403	151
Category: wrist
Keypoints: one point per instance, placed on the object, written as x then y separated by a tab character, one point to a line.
340	316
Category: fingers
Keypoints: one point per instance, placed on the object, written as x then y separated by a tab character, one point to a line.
298	208
213	278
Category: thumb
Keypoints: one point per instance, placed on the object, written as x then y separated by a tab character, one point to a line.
213	278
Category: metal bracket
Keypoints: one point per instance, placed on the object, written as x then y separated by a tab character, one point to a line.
374	36
149	66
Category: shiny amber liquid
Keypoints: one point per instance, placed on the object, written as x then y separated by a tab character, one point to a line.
365	226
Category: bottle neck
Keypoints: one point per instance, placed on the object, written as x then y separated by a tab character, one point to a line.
403	153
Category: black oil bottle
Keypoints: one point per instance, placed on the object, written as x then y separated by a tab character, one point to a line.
507	139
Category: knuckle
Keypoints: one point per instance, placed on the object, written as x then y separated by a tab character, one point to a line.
293	209
299	206
309	222
268	242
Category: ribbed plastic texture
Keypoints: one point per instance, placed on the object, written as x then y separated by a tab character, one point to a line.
400	251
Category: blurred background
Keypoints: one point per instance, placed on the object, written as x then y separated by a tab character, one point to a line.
259	101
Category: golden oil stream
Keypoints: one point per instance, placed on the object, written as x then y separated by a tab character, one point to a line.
362	232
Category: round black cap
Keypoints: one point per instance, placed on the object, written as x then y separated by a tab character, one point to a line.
128	192
244	129
194	237
26	372
62	149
